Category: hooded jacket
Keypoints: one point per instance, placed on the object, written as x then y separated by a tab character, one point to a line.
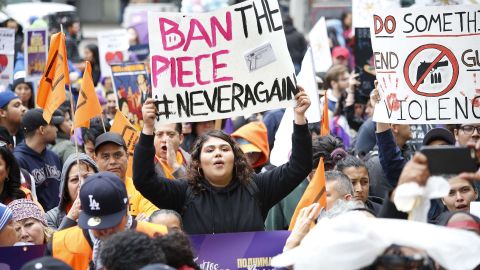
256	134
57	217
227	209
45	169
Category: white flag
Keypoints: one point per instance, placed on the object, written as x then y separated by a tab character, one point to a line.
282	148
318	38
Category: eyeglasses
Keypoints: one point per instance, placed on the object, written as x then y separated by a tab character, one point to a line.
470	129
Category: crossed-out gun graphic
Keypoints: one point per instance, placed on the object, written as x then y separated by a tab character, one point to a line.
434	78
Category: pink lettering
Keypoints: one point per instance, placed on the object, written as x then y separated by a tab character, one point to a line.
165	64
197	68
217	66
216	26
182	72
195	24
172	38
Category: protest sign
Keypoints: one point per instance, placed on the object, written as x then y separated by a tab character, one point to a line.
13	258
445	2
220	64
132	88
112	47
138	52
7	51
427	65
318	38
248	250
362	10
35	52
364	64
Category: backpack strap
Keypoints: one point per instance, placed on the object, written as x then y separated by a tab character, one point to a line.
91	264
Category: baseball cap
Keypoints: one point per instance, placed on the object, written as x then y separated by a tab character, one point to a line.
104	201
246	146
6	97
158	266
109	137
33	119
439	134
340	51
5	215
47	263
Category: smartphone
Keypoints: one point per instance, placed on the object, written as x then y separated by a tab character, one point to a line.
448	159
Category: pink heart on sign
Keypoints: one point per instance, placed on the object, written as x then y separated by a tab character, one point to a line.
114	57
3	62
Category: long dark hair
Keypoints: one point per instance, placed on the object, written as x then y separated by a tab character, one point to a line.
242	171
96	56
11	188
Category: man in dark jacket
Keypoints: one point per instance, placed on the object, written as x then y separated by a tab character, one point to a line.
33	155
11	113
217	200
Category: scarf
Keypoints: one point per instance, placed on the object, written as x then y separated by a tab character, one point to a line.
166	167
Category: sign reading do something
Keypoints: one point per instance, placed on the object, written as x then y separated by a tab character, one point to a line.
428	64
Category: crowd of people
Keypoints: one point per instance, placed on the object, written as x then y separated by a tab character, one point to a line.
73	194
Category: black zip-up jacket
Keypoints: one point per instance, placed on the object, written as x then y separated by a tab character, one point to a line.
228	209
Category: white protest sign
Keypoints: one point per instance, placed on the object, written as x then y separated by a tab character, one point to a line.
282	148
7	50
113	46
362	10
428	65
233	61
320	46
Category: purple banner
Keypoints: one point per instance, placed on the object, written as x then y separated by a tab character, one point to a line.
36	51
13	258
249	250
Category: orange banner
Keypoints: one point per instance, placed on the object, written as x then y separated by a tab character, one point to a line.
51	91
130	135
88	105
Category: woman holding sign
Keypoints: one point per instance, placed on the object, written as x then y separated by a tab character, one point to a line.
221	193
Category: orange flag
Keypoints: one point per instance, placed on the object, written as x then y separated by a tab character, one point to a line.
88	105
51	91
325	128
130	135
315	192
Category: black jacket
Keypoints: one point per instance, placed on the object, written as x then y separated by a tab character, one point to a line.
228	209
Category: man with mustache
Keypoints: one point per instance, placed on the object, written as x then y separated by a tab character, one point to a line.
111	155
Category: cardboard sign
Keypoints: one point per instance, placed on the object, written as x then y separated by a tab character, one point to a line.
428	65
7	51
318	38
362	10
35	52
248	250
230	62
112	47
132	88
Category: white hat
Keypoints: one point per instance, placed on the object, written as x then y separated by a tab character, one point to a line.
353	241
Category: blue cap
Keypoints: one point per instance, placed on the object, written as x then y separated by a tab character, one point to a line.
6	97
104	201
5	215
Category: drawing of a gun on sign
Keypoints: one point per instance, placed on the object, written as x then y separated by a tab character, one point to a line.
434	77
260	57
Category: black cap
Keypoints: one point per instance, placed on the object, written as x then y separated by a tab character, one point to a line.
104	201
439	134
33	119
46	263
109	137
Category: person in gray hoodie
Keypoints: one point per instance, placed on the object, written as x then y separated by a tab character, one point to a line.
65	215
